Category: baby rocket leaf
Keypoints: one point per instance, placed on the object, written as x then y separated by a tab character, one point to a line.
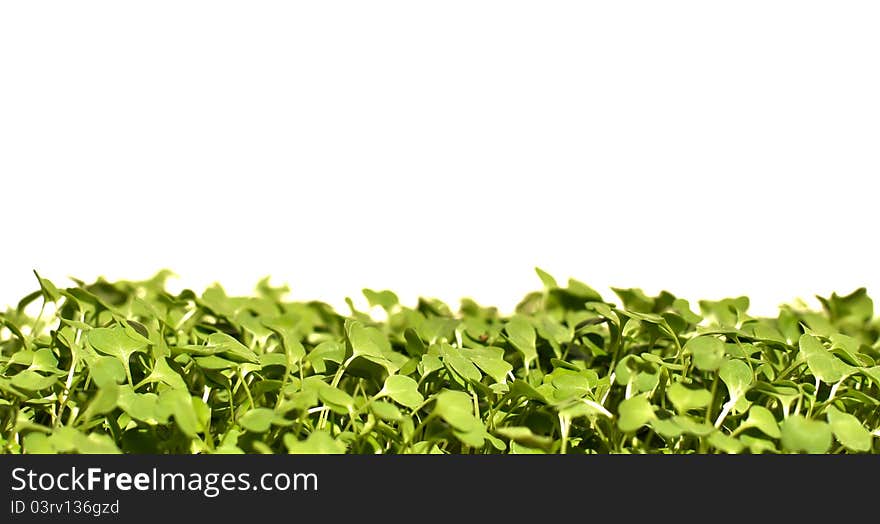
708	352
456	408
803	435
134	367
257	420
117	342
403	390
848	430
634	413
522	336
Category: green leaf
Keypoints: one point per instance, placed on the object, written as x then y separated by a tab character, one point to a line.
758	445
803	435
522	335
683	308
257	420
387	299
132	366
231	348
553	331
371	344
327	351
848	430
522	389
453	358
457	409
583	291
44	361
268	360
163	373
524	435
336	398
229	443
36	443
104	400
694	427
475	437
414	345
708	352
548	281
106	370
214	363
179	403
634	369
303	400
140	406
855	309
117	342
403	390
69	440
583	407
285	328
634	413
368	341
570	384
319	442
519	449
50	292
737	376
386	411
96	444
725	443
685	398
491	361
33	381
666	428
822	363
762	419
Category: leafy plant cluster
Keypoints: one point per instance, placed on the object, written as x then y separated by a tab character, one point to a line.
130	367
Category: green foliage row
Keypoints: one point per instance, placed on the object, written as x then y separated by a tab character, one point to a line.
129	367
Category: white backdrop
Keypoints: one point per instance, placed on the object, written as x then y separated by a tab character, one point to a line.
443	148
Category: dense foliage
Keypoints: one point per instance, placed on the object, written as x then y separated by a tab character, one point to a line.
130	367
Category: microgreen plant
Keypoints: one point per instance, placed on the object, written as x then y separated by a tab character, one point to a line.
130	367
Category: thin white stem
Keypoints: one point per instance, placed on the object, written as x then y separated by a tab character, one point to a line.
188	315
564	426
65	395
834	389
598	407
725	410
607	391
322	419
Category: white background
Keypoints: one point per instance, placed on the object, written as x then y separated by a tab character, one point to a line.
443	148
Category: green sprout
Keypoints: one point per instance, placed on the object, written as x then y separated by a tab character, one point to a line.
130	367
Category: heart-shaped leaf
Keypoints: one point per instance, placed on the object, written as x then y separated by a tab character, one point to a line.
117	342
522	335
634	413
804	435
257	420
737	376
848	430
685	398
457	409
403	390
708	352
